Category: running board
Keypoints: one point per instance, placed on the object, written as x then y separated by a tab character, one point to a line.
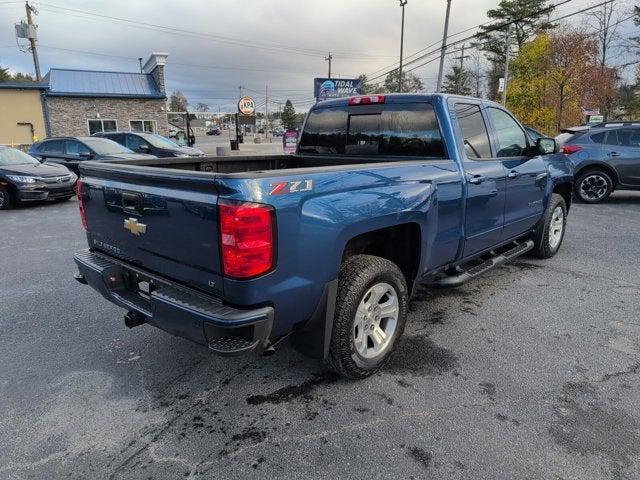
501	259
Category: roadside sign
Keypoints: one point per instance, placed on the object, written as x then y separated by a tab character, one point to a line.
290	141
500	85
324	88
246	106
595	119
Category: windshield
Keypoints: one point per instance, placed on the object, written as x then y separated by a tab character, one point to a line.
12	156
104	146
160	142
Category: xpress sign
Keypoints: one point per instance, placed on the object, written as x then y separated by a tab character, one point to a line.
324	88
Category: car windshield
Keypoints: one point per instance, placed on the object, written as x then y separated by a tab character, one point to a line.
104	146
12	156
160	142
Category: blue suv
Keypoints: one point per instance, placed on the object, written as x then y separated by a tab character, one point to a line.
605	157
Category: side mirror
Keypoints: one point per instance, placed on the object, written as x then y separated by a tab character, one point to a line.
86	156
546	145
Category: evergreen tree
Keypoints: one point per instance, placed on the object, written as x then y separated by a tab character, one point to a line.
367	88
410	82
5	76
527	24
458	81
289	119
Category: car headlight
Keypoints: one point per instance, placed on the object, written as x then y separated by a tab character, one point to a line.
21	179
181	155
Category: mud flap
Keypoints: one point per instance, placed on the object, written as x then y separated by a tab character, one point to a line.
314	338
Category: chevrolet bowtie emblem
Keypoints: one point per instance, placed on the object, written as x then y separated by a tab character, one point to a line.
134	227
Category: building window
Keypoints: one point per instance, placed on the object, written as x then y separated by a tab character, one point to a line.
148	126
99	125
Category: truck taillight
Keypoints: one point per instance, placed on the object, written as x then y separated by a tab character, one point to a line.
80	193
246	238
569	149
366	99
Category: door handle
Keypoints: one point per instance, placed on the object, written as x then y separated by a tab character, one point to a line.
513	174
475	179
614	154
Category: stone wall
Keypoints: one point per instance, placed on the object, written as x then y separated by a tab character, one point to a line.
68	115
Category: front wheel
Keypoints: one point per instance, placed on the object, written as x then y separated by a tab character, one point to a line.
371	311
6	202
550	231
594	186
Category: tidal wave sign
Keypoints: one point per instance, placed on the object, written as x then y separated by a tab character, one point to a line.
324	88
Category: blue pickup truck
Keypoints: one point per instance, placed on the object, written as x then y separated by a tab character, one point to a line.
326	246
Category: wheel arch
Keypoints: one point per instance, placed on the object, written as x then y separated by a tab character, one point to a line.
595	167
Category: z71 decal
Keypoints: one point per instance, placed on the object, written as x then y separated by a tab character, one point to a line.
282	188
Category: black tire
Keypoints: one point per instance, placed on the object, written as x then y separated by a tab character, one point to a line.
544	247
357	276
593	186
6	200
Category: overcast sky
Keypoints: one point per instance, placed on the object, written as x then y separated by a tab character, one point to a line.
215	46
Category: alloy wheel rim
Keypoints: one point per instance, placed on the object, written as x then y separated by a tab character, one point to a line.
556	227
593	187
376	320
1	199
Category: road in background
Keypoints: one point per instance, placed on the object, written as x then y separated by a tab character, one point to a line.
530	371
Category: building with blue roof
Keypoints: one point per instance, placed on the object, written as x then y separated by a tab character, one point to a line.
84	102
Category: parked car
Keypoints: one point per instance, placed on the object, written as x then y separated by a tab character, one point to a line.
384	193
24	179
606	157
151	143
72	151
279	131
214	131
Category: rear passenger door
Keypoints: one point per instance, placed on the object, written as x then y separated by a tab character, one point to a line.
622	148
485	178
52	151
526	175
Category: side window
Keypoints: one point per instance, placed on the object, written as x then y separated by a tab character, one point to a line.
612	138
598	137
53	146
512	141
134	142
76	148
325	131
629	137
399	130
474	131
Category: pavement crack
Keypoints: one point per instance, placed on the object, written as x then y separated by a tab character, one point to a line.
632	370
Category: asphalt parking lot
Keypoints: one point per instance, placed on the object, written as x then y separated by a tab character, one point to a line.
530	372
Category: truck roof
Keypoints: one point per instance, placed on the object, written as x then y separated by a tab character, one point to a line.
400	98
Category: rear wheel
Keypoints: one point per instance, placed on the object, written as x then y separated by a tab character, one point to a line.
371	311
550	231
594	186
6	201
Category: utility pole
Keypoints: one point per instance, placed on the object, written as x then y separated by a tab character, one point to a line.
32	39
328	59
507	54
444	45
266	112
240	92
462	57
402	4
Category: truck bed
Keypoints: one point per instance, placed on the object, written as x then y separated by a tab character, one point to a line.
247	163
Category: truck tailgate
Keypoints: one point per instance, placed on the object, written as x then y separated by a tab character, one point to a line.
161	221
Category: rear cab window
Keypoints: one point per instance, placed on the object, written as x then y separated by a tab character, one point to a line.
393	129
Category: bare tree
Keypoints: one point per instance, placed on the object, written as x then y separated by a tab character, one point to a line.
603	22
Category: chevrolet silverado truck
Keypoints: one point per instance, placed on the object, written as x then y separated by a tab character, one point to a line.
384	193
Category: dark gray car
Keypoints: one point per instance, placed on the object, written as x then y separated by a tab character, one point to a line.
606	157
152	143
71	151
